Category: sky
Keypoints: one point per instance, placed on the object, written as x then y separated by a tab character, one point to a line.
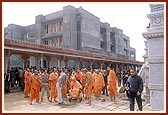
131	17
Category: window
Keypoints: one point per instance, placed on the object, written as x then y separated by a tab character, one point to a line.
111	48
31	35
60	26
132	56
126	43
118	40
101	44
60	41
52	27
46	42
56	26
46	28
101	31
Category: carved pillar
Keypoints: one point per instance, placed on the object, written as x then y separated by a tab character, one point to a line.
6	60
117	65
25	60
59	63
91	63
101	64
66	63
122	66
155	40
41	60
62	61
78	63
48	59
37	58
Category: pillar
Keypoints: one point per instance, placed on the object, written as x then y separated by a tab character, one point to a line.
37	58
59	63
117	65
41	60
91	64
66	63
101	64
62	59
155	40
122	66
78	63
48	59
25	60
6	60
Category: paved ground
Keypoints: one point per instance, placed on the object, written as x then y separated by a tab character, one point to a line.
14	102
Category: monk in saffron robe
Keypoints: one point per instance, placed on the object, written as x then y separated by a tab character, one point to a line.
75	88
88	85
112	85
64	90
83	81
94	74
52	85
27	77
98	84
79	76
36	84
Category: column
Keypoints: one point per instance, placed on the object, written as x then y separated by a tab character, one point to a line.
91	63
25	60
6	60
41	60
62	59
66	63
48	59
41	65
78	63
101	64
156	41
37	58
59	63
117	65
122	66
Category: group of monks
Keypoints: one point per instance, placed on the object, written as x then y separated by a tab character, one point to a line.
83	81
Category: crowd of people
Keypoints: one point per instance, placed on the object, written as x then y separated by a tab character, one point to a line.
60	84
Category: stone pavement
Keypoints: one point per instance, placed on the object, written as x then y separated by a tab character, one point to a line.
15	102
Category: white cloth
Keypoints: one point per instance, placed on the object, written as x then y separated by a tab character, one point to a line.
60	100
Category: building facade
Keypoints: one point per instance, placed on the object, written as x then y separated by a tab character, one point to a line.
75	28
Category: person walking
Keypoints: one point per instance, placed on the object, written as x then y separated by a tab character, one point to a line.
36	84
20	76
135	86
118	74
61	81
27	77
6	81
89	84
105	75
52	83
45	88
125	78
98	84
112	85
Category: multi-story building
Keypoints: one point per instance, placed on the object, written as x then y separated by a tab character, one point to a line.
75	28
